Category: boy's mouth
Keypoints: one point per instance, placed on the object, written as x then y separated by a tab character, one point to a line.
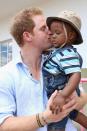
53	41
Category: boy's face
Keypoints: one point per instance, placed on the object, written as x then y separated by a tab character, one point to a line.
58	36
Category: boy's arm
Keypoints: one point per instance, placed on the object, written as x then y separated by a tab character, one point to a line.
81	119
70	87
72	84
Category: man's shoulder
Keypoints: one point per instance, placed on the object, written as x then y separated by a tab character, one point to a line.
9	68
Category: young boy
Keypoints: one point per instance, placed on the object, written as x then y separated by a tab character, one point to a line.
62	68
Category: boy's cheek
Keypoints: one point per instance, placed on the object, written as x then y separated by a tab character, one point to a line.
53	41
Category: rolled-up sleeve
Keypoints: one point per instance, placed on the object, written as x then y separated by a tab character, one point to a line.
7	97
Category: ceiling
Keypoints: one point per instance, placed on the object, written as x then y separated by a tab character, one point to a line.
10	7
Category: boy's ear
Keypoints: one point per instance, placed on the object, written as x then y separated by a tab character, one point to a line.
27	36
72	35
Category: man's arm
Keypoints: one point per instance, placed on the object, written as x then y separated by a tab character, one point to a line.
30	123
25	123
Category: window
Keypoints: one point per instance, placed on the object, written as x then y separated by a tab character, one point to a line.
5	51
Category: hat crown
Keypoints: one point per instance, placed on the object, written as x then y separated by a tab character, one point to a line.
71	17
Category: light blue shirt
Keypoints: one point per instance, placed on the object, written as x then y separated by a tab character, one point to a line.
20	93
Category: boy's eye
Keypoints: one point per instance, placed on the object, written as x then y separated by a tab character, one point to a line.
55	34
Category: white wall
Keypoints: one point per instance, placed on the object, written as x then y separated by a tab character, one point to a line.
4	30
51	8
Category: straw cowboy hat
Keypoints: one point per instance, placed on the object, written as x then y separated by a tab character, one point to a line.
71	18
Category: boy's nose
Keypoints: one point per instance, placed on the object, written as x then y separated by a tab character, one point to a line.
54	35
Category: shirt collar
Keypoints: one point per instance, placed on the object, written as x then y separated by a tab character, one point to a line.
18	59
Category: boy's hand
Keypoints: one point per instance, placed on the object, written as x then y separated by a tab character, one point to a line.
67	108
57	103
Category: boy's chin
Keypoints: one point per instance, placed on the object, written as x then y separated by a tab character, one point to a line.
55	45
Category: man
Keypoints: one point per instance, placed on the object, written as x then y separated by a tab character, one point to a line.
22	96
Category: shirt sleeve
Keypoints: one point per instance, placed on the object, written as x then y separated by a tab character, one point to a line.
7	97
70	62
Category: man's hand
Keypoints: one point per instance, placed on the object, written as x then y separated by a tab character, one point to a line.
81	101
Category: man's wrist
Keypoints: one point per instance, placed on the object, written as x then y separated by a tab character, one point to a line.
43	119
40	124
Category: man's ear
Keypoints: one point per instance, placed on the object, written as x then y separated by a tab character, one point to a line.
27	36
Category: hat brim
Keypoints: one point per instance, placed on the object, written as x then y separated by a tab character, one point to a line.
49	20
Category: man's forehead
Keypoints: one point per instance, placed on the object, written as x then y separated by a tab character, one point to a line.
39	20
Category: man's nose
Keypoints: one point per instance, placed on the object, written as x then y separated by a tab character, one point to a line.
49	32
